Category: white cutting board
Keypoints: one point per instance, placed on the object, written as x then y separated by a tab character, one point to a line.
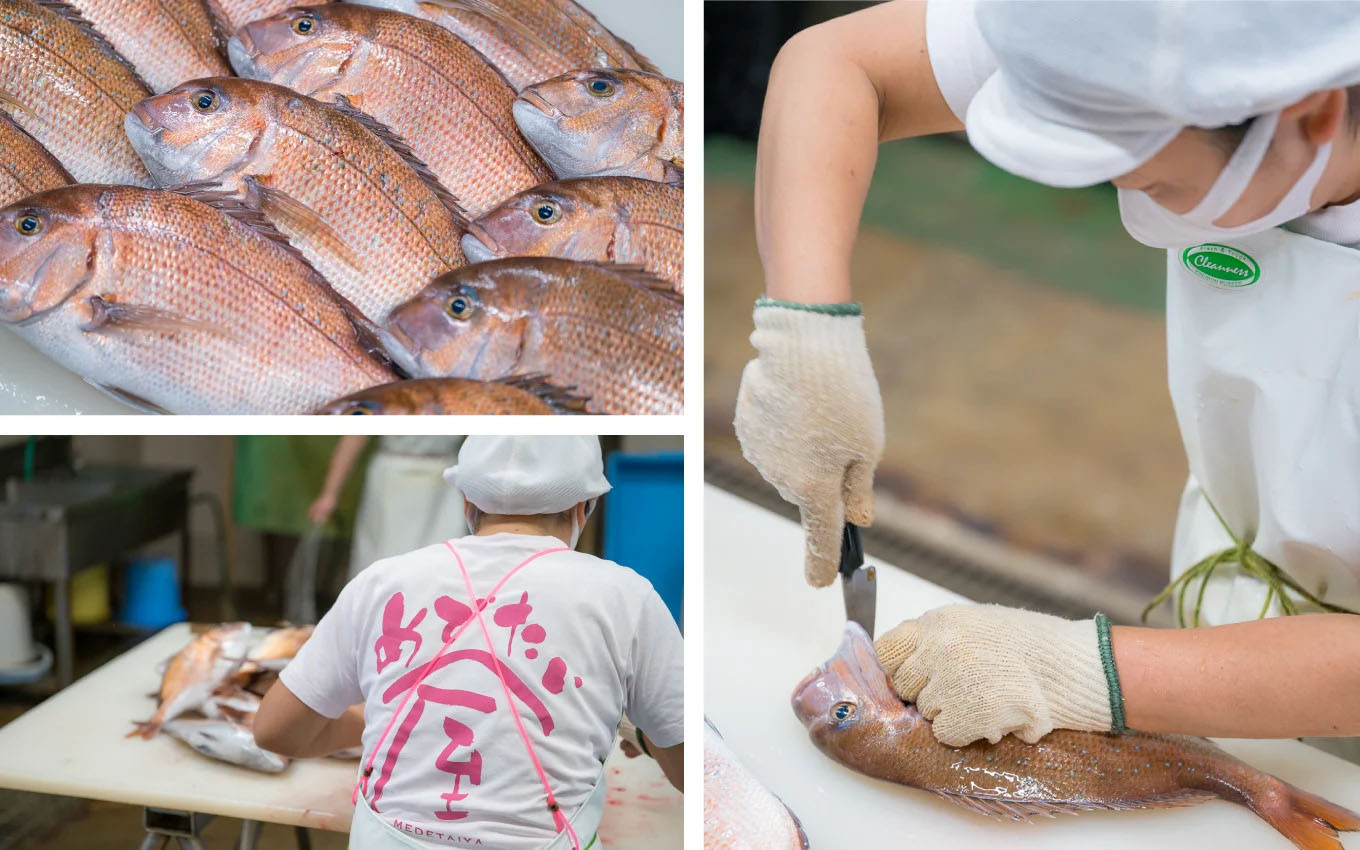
764	629
73	744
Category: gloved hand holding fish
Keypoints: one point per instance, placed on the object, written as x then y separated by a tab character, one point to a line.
308	203
222	676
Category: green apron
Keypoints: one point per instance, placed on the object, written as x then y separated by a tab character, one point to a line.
276	479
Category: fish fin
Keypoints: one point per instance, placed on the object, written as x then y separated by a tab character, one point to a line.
138	403
1025	810
278	206
797	825
496	16
221	24
13	104
1305	819
113	317
73	16
400	146
673	172
643	62
146	729
647	280
560	399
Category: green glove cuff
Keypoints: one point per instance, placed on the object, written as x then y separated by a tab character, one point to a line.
1111	675
848	309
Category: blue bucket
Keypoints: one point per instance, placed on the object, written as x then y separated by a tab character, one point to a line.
151	594
644	521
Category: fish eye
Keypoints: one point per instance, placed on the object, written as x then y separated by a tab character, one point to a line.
363	408
205	101
459	307
601	88
843	710
547	212
304	25
28	225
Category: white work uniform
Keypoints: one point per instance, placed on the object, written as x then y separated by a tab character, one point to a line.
405	503
1265	381
584	640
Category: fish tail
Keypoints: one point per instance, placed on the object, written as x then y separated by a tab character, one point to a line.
1305	819
145	729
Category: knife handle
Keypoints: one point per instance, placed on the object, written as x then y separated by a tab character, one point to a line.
852	549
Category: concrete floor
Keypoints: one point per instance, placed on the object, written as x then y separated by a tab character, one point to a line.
1018	339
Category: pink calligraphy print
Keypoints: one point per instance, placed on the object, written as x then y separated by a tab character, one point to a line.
534	633
395	634
453	613
512	616
555	676
424	694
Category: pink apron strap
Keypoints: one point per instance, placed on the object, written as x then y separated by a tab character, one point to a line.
361	785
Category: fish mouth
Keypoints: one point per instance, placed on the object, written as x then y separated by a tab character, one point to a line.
479	246
855	665
241	55
538	101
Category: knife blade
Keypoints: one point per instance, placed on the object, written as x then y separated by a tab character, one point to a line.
859	585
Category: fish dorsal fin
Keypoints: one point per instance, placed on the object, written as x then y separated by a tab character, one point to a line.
560	399
645	279
73	16
399	146
498	17
221	24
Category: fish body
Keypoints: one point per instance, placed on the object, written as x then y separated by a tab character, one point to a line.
607	121
623	220
458	396
176	305
610	334
74	109
853	716
231	15
226	741
168	41
27	167
280	646
195	672
527	40
430	88
366	218
232	703
739	812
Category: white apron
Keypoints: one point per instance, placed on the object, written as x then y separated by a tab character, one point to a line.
369	831
405	504
1263	338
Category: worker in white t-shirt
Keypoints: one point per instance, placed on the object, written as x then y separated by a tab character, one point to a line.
1218	123
486	675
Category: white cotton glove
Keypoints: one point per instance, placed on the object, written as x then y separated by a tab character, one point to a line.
985	671
810	418
629	739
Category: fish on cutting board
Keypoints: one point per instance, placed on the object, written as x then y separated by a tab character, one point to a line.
527	40
606	121
739	812
142	292
604	219
74	110
374	222
853	716
613	333
195	672
167	41
521	396
430	88
279	647
226	741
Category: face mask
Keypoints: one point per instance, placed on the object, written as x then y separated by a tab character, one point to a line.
577	528
1152	224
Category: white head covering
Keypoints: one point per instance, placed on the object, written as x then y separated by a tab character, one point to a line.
520	475
1086	91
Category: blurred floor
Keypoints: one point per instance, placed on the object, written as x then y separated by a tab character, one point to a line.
1018	338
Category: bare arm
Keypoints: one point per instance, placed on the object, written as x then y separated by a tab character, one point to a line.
1280	678
672	761
347	451
285	725
836	90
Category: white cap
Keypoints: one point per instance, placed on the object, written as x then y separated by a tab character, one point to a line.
519	475
1087	91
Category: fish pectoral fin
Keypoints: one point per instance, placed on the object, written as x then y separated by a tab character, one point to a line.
291	214
134	401
1025	810
108	317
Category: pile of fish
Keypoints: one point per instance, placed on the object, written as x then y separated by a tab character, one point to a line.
853	716
221	676
414	206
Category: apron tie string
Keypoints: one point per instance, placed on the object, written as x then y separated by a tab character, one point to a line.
1250	562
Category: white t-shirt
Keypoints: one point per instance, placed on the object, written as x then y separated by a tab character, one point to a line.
962	62
584	639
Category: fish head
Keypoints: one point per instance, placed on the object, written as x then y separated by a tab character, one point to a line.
563	219
204	130
583	118
468	323
306	49
47	246
363	403
847	703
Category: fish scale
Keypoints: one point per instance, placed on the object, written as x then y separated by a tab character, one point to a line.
167	41
853	716
182	258
603	219
429	87
607	331
29	167
394	231
42	53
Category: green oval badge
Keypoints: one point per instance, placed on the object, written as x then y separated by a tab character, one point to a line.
1221	265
